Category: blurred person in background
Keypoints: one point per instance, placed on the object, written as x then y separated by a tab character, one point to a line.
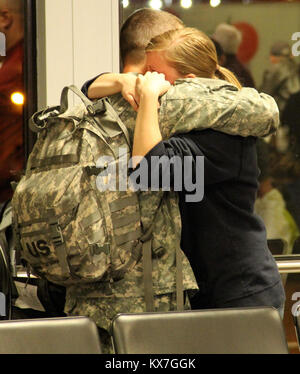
291	119
281	79
270	204
220	52
229	38
11	81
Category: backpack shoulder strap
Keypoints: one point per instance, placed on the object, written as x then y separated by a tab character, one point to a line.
104	105
38	121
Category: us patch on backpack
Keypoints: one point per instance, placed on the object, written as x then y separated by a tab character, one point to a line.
68	230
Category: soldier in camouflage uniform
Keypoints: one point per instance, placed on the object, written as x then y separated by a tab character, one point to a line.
242	112
282	79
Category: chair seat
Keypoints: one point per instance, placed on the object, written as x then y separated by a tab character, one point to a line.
65	335
217	331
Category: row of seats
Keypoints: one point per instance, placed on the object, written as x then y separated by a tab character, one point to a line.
216	331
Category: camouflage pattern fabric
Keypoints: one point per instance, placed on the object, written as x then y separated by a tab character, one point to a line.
77	236
201	103
281	80
70	231
223	107
191	104
166	237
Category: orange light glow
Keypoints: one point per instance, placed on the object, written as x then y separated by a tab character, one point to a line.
17	98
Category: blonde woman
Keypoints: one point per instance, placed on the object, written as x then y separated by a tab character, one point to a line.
186	53
222	237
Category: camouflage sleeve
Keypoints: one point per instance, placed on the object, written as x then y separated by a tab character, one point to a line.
274	78
270	82
244	112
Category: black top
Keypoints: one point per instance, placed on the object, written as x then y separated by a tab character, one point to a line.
291	114
223	238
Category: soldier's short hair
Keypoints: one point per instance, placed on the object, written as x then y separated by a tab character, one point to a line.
140	27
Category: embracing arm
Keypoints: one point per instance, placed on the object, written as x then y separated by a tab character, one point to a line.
253	114
112	83
200	104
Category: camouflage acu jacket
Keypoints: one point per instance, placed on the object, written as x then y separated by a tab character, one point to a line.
281	81
190	104
200	103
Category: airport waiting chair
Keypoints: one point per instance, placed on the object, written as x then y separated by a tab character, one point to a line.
297	326
65	335
215	331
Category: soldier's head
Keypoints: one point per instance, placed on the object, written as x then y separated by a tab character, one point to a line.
279	51
137	31
229	37
186	53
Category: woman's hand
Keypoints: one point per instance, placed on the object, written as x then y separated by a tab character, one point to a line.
152	83
147	132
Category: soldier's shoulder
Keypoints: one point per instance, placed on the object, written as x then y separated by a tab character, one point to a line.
118	101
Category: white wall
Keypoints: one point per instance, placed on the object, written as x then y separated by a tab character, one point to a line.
76	40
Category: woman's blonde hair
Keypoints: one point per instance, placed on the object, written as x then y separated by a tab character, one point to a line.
190	51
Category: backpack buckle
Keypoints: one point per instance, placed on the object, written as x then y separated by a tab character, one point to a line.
91	110
57	238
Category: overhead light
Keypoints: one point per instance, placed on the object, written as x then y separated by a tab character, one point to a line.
186	3
156	4
125	3
17	98
214	3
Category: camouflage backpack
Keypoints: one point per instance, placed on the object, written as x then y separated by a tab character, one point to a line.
71	227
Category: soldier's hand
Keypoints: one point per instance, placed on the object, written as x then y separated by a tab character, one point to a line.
128	84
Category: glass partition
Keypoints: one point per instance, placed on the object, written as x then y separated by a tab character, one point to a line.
30	73
17	89
12	94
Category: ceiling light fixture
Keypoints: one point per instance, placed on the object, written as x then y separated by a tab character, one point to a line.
155	4
214	3
186	3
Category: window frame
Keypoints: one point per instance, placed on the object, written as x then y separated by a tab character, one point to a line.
30	74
